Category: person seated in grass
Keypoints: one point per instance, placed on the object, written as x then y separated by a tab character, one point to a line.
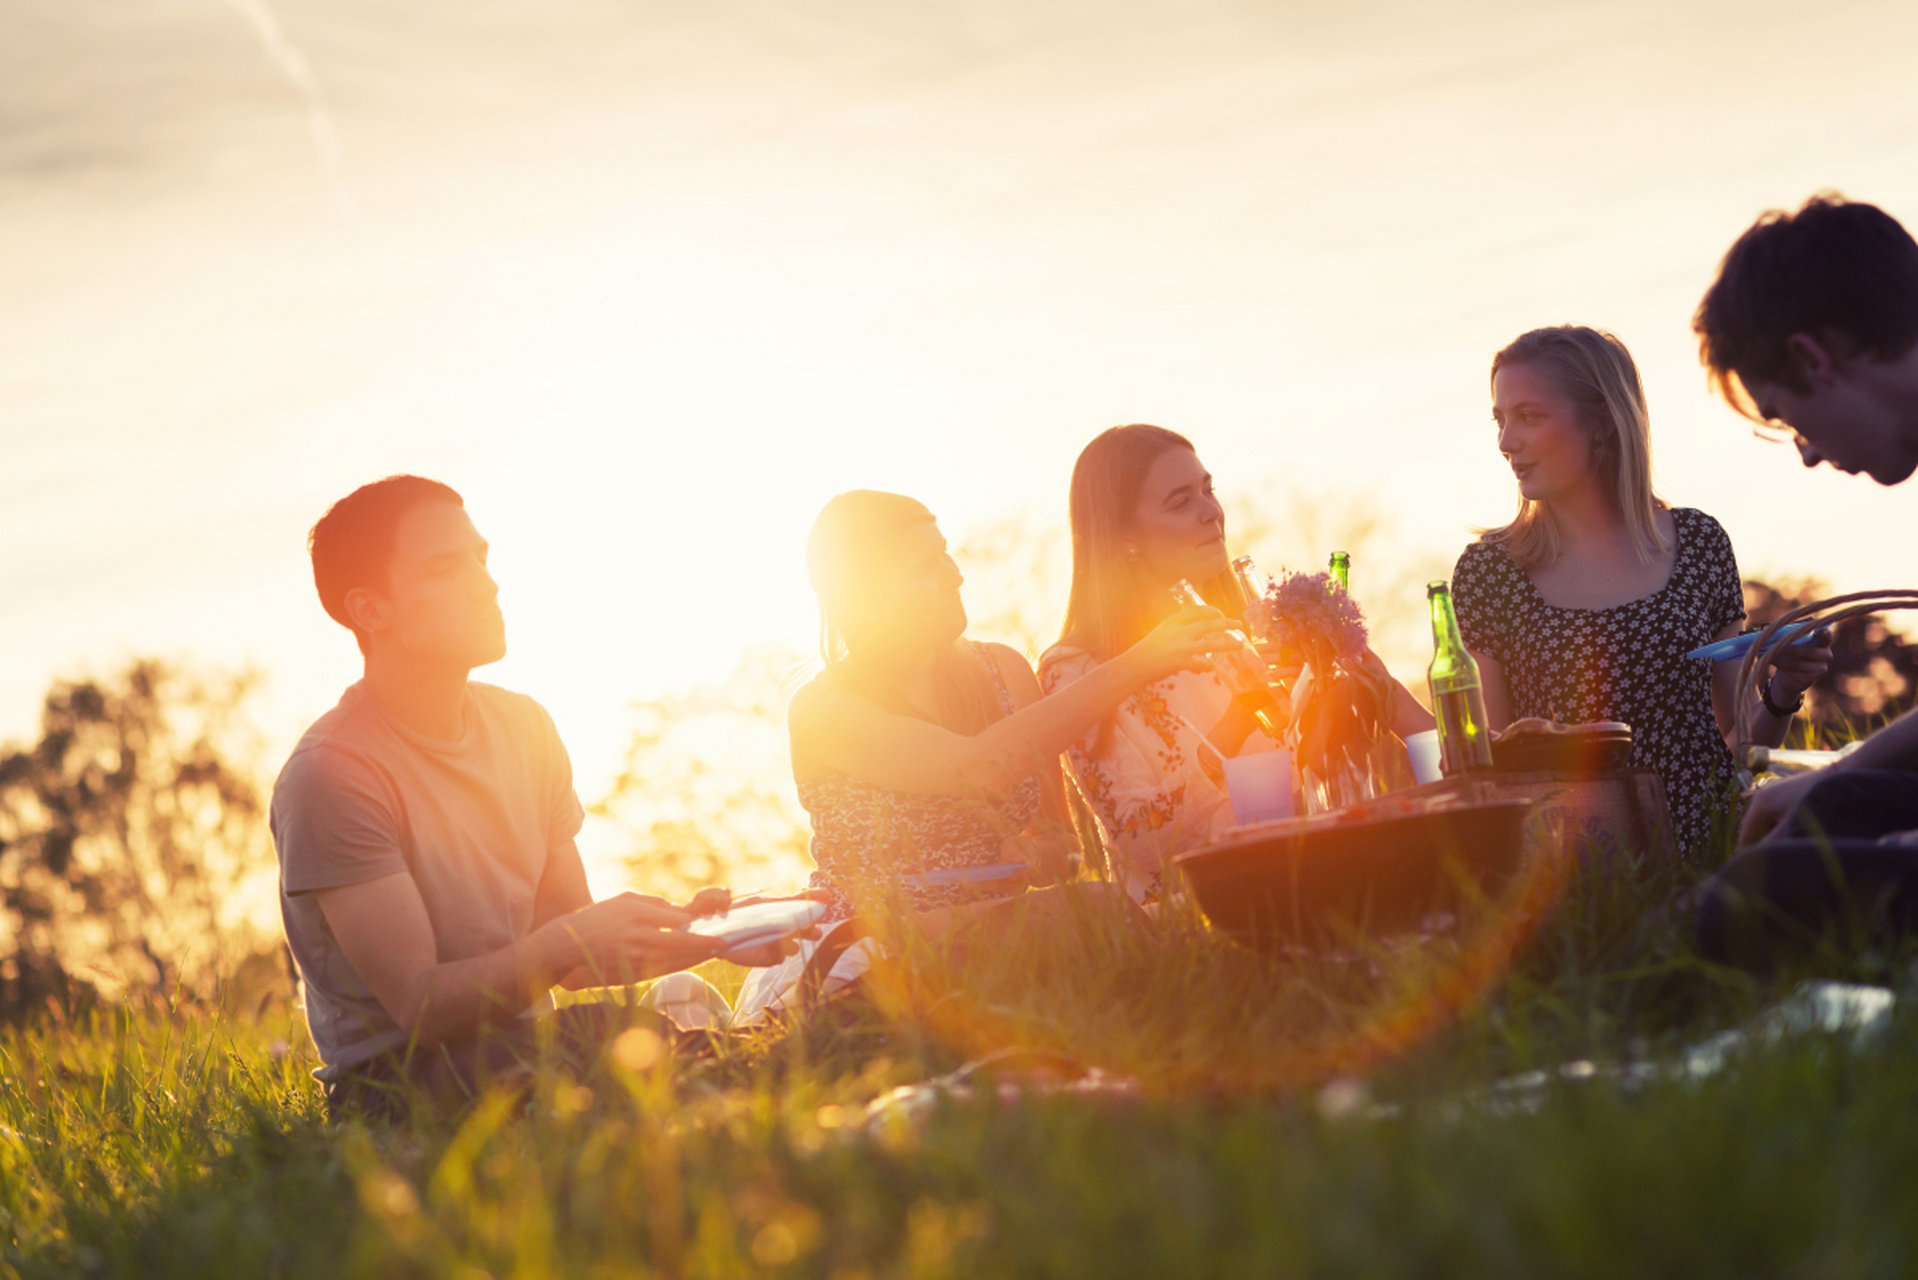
925	758
1811	327
1144	516
430	886
1584	607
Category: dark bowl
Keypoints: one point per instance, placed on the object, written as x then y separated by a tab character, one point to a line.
1373	868
1592	748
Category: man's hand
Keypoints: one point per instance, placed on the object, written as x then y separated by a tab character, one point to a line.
771	953
714	900
635	936
1771	804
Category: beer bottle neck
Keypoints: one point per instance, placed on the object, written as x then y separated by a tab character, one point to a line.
1445	636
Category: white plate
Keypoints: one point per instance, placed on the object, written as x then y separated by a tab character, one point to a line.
759	923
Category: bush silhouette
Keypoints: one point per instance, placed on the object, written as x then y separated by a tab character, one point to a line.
126	834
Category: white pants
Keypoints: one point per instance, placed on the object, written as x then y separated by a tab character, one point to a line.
687	1001
773	987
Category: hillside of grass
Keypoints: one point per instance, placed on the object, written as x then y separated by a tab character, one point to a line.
1485	1102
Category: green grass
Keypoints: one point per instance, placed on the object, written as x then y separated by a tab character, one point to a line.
1309	1117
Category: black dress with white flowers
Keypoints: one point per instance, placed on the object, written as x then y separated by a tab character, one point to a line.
1624	663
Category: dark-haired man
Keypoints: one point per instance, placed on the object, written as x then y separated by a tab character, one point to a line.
429	880
1812	325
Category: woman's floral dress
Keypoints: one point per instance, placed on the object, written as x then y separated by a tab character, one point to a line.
865	837
1624	663
869	836
1150	775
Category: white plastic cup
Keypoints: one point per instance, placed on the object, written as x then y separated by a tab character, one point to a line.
1260	786
1424	750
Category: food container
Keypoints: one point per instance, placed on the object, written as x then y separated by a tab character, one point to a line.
1617	816
1381	867
1553	748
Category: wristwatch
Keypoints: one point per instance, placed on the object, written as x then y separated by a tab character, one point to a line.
1783	713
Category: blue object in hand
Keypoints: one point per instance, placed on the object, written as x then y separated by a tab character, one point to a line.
1736	647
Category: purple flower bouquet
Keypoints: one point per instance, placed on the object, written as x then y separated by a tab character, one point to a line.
1342	692
1310	615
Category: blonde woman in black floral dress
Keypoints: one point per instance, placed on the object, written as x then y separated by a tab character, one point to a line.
1584	606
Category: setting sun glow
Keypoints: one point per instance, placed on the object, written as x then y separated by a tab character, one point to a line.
648	291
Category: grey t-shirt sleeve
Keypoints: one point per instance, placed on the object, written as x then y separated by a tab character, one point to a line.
335	822
566	814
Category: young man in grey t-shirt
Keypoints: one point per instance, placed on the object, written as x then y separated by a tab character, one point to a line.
429	881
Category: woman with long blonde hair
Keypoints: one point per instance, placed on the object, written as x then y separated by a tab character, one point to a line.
1584	606
1143	516
929	763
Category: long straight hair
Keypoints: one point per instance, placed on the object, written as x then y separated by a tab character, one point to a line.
852	562
1113	603
1597	374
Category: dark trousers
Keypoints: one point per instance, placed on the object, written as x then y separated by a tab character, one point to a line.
448	1075
1823	878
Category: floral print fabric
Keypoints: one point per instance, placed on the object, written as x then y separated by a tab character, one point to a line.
868	835
1625	663
1155	783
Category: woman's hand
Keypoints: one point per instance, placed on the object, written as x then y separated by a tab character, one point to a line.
1797	667
1181	643
1401	711
713	900
1049	857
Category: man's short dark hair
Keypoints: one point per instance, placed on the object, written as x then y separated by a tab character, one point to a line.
352	545
1844	273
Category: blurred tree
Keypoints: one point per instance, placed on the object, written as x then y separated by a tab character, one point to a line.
1284	527
1019	568
1873	676
126	834
706	793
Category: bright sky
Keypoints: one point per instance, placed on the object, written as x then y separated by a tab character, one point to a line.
648	283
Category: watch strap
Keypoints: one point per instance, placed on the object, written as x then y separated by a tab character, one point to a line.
1783	713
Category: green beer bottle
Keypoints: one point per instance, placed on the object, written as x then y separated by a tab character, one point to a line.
1465	736
1342	570
1242	669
